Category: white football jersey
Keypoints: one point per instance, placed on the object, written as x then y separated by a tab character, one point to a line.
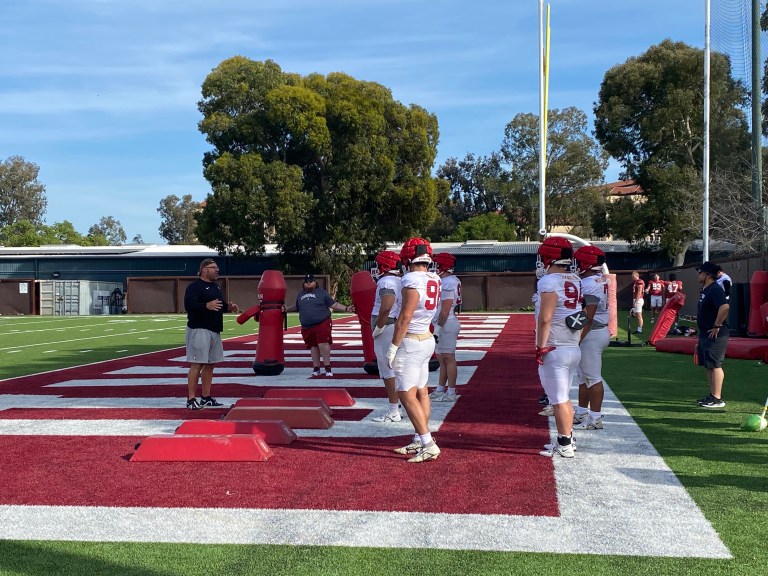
428	285
388	284
451	290
567	286
594	290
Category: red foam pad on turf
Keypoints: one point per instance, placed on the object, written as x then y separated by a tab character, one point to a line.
740	348
300	402
331	396
202	448
274	432
294	416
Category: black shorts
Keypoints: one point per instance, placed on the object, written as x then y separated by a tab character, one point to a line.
712	352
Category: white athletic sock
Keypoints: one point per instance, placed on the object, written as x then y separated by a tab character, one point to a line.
426	438
440	389
393	407
451	391
595	415
579	410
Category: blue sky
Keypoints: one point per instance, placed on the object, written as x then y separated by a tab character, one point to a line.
102	94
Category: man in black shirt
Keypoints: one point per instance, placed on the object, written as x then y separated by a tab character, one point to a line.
205	308
713	332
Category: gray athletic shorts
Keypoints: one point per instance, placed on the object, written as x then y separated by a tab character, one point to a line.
712	352
204	346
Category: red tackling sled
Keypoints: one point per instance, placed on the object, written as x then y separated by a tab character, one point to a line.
667	317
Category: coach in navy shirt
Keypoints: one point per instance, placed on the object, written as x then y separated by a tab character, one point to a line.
713	332
205	308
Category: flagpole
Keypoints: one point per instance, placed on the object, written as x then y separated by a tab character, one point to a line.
705	144
542	128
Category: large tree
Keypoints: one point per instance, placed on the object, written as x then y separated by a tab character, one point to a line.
329	167
488	226
26	233
649	116
477	185
110	229
22	197
178	219
574	169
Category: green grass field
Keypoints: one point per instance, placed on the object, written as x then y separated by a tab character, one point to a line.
724	469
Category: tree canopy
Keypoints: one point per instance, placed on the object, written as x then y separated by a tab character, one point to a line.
649	116
110	229
26	233
327	167
22	197
488	226
507	181
575	167
178	219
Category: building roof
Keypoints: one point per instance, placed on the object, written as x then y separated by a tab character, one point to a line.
623	188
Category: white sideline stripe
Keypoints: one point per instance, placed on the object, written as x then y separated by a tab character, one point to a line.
365	428
291	377
222	368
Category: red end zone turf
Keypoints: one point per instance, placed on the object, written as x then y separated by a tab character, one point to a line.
489	464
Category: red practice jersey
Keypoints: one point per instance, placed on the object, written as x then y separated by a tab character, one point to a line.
672	287
638	289
656	287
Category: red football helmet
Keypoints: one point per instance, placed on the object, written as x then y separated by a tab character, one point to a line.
445	262
386	261
554	250
416	251
589	258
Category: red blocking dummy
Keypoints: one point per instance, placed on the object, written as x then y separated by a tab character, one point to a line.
362	289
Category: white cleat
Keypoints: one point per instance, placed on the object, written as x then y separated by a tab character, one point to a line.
590	424
388	417
564	451
412	448
446	398
548	410
430	452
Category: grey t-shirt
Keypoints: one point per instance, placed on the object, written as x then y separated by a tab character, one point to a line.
314	307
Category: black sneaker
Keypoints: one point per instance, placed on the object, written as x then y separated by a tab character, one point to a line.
544	399
713	403
704	400
193	404
209	402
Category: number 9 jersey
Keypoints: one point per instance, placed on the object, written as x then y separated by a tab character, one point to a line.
428	285
567	286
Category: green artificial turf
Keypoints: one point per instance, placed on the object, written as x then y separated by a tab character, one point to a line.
724	469
34	344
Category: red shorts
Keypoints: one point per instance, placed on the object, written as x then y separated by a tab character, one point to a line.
318	334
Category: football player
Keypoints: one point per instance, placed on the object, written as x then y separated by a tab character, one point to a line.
386	307
559	320
672	287
594	337
656	290
413	345
447	327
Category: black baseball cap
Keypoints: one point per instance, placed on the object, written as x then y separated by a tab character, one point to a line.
309	278
709	268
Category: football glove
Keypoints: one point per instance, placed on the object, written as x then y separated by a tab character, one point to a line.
541	352
378	331
391	354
